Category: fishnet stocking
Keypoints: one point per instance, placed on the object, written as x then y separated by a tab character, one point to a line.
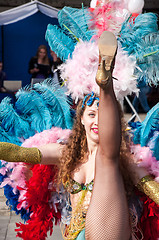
107	216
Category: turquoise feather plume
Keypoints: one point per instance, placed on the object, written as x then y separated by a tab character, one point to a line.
36	109
141	39
59	42
31	106
150	125
12	122
57	103
132	32
148	58
5	137
153	145
155	149
77	21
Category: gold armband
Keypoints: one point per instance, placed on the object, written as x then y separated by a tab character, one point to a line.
148	186
13	153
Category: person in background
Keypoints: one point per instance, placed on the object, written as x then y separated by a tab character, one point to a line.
3	77
40	65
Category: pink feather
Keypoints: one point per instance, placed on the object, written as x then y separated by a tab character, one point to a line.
47	136
144	158
124	72
80	72
22	172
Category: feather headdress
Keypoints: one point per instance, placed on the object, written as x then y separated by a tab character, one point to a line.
79	76
79	69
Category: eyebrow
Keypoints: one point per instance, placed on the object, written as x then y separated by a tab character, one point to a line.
92	110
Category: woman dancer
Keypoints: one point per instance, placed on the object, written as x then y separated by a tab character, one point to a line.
92	152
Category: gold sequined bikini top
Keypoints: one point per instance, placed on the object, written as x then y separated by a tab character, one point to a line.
75	187
78	215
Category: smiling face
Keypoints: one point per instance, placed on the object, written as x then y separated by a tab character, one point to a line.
90	122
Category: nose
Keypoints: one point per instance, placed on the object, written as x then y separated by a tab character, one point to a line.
96	120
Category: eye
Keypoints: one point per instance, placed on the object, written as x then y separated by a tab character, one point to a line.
91	114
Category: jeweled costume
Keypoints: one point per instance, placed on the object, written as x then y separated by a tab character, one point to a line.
81	202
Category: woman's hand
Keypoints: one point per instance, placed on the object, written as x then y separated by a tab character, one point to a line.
34	70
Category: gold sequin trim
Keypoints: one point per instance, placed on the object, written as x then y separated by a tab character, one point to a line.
150	188
13	153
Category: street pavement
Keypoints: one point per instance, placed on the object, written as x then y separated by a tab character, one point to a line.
9	218
7	226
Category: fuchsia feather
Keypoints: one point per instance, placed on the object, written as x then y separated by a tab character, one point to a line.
109	17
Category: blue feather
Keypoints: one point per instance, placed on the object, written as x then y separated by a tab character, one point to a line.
136	131
155	149
12	201
153	145
31	106
141	39
131	33
59	42
56	101
137	135
1	165
11	121
150	125
77	20
148	58
5	137
1	176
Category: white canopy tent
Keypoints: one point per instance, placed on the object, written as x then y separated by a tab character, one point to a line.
22	30
26	10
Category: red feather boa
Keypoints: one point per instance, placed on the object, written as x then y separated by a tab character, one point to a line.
149	222
38	195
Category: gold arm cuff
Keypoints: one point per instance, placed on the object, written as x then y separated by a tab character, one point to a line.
150	187
13	153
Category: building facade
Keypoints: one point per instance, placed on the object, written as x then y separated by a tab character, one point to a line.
150	5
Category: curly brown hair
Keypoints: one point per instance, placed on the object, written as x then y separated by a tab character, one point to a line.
76	148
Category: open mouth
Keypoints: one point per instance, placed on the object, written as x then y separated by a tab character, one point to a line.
95	130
